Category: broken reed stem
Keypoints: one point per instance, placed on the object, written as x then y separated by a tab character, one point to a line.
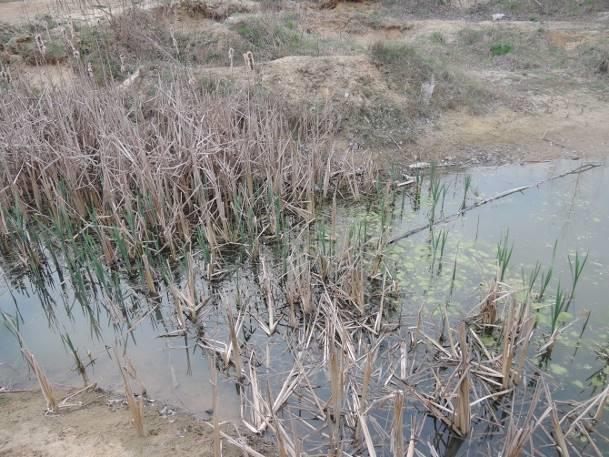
397	428
136	405
462	413
265	281
148	275
235	351
559	436
363	400
509	334
43	381
601	408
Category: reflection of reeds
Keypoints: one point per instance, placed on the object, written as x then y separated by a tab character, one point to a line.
79	365
234	351
336	387
217	444
467	182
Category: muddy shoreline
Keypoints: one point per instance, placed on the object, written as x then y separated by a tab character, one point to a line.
98	424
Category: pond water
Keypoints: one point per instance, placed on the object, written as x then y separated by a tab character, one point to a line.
546	224
450	266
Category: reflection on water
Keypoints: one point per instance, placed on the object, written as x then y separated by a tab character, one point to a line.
70	309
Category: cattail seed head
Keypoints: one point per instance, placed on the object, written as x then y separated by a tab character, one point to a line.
248	57
40	44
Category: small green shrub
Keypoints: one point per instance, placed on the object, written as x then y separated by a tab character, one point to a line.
500	49
274	37
437	37
394	54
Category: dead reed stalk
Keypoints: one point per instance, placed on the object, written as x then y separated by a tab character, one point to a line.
136	405
45	386
462	413
397	428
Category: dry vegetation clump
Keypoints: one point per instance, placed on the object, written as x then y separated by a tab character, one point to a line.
217	11
429	84
164	168
275	35
417	89
595	59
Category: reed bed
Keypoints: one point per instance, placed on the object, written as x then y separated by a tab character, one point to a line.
156	171
218	212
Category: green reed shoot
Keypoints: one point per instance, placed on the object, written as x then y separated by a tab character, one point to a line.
437	192
576	266
558	306
546	277
122	246
504	255
531	279
453	276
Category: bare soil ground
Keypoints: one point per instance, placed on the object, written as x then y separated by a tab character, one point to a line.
100	426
